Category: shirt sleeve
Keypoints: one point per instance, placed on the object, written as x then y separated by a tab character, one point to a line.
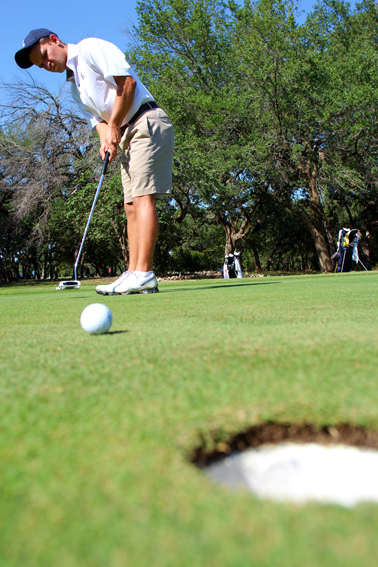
105	58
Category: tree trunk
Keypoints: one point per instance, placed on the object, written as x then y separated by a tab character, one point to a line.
229	244
257	259
314	221
317	222
321	245
237	229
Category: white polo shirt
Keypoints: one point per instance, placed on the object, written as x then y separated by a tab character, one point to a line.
95	63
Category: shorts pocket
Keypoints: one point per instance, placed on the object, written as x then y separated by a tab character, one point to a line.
143	128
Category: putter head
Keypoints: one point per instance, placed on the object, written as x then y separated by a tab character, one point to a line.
69	284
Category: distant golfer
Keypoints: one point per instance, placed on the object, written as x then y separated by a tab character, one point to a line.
116	103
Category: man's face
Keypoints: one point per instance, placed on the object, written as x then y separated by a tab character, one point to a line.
50	54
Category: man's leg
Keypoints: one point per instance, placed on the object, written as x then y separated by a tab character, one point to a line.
147	223
142	232
132	235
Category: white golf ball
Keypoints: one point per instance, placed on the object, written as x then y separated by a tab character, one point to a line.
96	319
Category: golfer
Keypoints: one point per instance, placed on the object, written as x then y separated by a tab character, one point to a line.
119	107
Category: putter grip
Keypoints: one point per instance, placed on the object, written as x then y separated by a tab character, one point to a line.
106	163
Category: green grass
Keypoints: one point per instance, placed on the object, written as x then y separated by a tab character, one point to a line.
95	431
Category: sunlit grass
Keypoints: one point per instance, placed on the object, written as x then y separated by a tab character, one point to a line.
95	431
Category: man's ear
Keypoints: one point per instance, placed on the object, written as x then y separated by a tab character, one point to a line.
54	39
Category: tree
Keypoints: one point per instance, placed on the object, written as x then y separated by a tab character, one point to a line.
350	40
257	107
185	53
315	106
50	170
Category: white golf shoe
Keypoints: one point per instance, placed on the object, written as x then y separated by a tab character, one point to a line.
137	283
112	289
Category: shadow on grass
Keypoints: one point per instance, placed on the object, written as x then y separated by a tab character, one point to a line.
83	297
108	333
230	286
45	283
116	332
37	283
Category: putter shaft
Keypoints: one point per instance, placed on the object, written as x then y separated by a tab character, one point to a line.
92	209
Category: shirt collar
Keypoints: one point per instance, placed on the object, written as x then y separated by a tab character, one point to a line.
72	53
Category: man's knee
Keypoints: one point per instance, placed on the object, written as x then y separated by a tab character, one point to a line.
129	210
147	202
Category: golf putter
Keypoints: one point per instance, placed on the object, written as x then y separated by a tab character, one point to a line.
75	284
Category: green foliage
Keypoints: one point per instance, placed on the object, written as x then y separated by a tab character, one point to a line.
275	134
259	106
187	244
102	249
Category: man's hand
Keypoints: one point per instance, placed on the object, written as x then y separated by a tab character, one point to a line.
110	134
112	139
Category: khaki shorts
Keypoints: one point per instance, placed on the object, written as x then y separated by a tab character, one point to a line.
147	152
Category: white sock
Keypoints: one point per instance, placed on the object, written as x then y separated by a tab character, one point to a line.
143	274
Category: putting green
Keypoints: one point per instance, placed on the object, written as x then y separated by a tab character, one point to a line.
96	431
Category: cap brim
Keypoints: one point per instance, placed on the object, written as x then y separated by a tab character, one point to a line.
22	58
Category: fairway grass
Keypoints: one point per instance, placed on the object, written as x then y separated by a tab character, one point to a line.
96	431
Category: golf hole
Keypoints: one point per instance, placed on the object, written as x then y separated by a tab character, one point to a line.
297	463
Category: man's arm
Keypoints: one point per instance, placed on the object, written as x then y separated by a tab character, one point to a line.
110	134
101	129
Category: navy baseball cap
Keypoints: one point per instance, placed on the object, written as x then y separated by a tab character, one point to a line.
22	56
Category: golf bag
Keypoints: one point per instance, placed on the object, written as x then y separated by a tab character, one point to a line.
232	267
347	250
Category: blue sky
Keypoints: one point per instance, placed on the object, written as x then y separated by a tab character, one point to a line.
72	21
